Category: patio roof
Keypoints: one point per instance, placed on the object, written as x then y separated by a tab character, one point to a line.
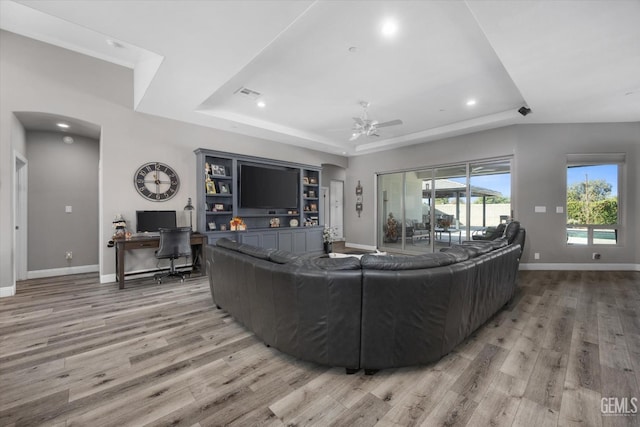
449	188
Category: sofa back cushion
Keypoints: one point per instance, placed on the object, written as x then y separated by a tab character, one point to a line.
346	263
282	257
255	251
228	244
512	231
388	262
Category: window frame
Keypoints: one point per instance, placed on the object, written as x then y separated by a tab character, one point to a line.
599	159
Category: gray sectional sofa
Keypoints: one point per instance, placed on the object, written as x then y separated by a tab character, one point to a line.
375	312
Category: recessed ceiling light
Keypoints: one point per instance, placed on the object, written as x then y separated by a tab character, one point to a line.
63	125
353	49
389	28
261	104
471	102
67	140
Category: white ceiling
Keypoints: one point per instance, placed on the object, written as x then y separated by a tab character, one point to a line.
569	61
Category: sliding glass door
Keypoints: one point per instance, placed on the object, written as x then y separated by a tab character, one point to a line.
427	209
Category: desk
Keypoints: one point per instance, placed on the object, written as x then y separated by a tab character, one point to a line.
144	242
449	231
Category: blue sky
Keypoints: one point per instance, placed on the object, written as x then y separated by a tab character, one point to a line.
607	172
497	182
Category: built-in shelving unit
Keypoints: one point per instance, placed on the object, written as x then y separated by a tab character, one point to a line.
296	229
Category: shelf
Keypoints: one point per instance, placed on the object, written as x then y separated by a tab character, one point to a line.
220	177
219	212
219	194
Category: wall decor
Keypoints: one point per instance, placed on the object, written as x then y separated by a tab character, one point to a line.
359	198
156	181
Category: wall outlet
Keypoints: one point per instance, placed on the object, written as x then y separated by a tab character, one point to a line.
595	255
536	255
69	255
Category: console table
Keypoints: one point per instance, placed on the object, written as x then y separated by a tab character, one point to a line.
153	242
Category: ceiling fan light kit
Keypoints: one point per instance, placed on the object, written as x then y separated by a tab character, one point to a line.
364	126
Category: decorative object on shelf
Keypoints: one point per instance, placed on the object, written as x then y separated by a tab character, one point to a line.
223	227
156	181
328	236
293	222
274	222
313	207
305	180
218	207
210	186
119	230
224	188
313	180
391	232
218	170
359	198
312	193
212	225
119	227
189	207
304	194
207	170
237	224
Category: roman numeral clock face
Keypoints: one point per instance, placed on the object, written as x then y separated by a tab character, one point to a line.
156	181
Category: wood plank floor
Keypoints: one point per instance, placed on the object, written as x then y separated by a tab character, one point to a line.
77	353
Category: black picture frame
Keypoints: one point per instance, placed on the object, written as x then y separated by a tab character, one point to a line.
224	188
218	170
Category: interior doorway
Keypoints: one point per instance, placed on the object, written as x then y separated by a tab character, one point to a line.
20	217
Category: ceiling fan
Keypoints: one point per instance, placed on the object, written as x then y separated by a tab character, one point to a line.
364	126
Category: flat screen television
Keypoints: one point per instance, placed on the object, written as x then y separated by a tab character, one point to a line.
152	221
264	187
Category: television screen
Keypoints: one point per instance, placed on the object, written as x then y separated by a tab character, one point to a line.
263	187
152	221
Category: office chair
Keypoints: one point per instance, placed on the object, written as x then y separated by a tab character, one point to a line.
174	243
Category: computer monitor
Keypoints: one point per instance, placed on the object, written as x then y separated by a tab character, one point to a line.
152	221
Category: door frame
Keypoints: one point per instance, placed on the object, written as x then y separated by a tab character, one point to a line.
20	217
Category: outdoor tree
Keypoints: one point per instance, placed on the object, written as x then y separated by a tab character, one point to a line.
591	202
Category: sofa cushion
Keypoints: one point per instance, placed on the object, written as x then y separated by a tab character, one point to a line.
282	257
512	231
255	251
387	262
346	263
458	253
475	250
228	244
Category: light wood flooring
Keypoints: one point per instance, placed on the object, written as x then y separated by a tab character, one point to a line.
77	353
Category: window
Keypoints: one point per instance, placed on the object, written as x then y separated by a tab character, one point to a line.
593	199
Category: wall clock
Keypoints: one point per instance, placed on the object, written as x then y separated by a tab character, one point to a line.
156	181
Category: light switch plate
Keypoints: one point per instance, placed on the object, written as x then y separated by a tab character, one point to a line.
68	209
540	209
559	209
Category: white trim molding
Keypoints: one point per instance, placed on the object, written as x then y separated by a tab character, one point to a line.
7	291
38	274
580	267
358	246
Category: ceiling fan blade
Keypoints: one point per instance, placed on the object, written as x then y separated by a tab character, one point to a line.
359	121
389	123
355	136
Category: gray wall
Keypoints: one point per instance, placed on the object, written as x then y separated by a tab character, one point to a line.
35	76
540	179
62	175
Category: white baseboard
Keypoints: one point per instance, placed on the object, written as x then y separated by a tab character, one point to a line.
358	246
38	274
580	267
7	291
108	278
